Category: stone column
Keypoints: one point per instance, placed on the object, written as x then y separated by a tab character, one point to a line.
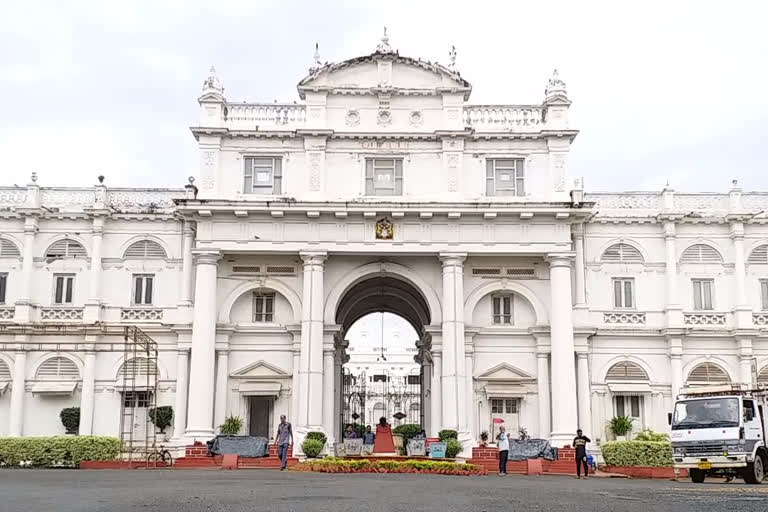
674	310
585	405
338	361
188	238
436	416
87	394
311	360
471	408
600	418
561	334
296	348
329	392
742	309
16	426
222	378
94	293
578	246
182	385
676	365
203	362
23	312
454	366
542	385
745	360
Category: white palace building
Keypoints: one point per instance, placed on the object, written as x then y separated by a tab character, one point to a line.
383	190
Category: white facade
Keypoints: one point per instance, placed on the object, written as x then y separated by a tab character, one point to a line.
506	271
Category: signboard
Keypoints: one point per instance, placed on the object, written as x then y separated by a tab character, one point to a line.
353	446
437	450
417	447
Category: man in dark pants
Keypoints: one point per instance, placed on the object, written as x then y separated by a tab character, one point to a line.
580	445
502	441
283	440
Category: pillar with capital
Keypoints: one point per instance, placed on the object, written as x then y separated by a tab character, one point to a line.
311	357
23	311
542	388
564	419
454	384
585	405
222	378
203	357
87	394
16	426
182	385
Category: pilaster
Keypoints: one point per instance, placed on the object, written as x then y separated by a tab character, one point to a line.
311	359
454	366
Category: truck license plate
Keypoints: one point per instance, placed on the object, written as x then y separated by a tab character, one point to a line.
705	465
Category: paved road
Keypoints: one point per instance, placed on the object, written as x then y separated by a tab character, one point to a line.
261	490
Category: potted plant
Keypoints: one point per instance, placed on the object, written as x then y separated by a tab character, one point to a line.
161	417
313	444
70	418
231	426
484	438
620	426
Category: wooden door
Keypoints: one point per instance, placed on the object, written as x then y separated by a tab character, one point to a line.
261	408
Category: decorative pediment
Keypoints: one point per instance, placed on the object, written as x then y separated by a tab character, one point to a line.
260	370
505	373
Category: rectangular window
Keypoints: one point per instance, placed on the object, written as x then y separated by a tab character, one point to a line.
137	398
414	379
263	175
63	288
497	406
504	177
383	177
629	406
623	293
3	287
702	294
510	406
143	288
380	378
502	309
263	307
764	294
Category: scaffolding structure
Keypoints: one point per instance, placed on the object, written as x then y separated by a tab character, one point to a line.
138	387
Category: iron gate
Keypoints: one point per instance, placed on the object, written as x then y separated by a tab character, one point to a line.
399	398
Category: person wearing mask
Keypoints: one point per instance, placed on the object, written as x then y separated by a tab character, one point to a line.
283	440
502	441
580	445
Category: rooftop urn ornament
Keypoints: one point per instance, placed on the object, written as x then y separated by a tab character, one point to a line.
383	46
452	56
212	84
555	87
316	65
100	177
317	55
34	177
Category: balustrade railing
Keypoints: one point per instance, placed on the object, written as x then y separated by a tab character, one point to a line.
705	319
760	319
141	315
504	117
278	116
6	313
61	314
624	317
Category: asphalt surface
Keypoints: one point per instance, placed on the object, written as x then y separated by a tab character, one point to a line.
257	490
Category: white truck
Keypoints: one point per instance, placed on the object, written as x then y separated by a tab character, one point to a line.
720	431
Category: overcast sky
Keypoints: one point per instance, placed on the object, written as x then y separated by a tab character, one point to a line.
661	90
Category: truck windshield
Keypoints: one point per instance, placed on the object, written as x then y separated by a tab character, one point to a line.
706	413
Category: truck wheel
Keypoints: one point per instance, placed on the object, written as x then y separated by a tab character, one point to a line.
698	476
755	471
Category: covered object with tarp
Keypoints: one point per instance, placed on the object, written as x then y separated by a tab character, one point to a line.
531	449
243	446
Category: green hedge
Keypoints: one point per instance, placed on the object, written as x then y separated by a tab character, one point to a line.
56	451
637	453
317	436
408	430
447	434
312	447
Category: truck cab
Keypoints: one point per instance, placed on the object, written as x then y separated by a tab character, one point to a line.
720	432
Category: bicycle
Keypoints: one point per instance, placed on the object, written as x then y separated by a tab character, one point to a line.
160	457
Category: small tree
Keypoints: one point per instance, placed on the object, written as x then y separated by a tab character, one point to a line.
161	417
231	426
447	434
317	436
70	418
620	425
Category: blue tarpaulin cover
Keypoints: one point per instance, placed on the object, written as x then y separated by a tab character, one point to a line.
244	446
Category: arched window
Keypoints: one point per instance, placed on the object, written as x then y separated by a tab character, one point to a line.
66	249
701	253
137	367
5	372
58	368
762	377
145	250
708	373
626	370
759	255
622	253
8	249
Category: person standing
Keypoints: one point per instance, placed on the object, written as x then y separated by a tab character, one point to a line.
369	440
502	441
283	440
580	445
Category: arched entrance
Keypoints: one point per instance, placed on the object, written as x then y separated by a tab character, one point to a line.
406	398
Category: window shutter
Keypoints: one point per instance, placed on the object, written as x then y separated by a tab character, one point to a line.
277	177
58	368
137	367
369	177
628	294
398	177
622	253
764	293
148	290
617	293
144	250
759	256
248	176
626	371
701	253
8	249
697	295
520	178
489	178
137	286
66	249
5	371
708	373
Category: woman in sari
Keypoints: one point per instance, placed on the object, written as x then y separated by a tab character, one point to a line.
384	440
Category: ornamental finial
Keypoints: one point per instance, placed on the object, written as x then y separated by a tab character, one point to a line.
34	177
452	56
383	46
317	55
212	84
555	86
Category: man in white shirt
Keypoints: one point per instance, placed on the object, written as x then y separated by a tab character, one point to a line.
502	441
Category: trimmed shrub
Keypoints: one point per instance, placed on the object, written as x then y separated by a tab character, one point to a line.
312	447
317	436
56	451
452	448
407	430
637	453
70	418
650	435
336	465
231	426
447	434
161	417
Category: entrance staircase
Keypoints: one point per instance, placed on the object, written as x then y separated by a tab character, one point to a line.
488	457
196	456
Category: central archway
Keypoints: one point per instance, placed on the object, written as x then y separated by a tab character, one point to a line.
385	294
